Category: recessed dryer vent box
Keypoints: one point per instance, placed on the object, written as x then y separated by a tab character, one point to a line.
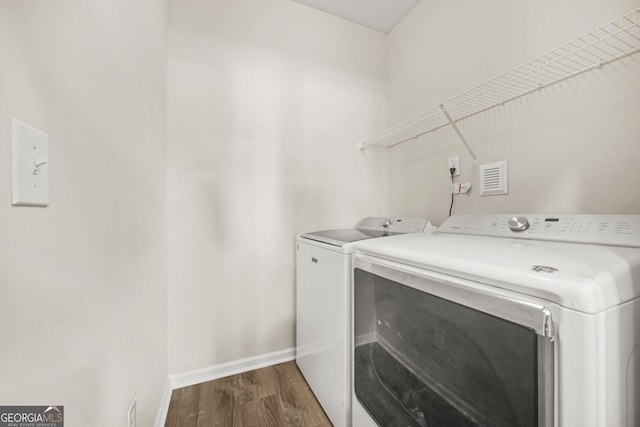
493	179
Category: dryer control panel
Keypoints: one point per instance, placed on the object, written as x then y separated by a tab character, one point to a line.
616	230
394	225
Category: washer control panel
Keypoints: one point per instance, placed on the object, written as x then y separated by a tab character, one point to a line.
617	230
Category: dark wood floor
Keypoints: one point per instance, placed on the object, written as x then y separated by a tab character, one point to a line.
275	396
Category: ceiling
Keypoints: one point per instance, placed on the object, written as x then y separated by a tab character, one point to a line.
380	15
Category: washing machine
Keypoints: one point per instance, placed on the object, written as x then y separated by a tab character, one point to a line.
323	289
500	320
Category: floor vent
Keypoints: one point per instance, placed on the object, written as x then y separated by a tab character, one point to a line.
493	179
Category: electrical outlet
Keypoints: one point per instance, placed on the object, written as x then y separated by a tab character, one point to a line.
132	412
454	162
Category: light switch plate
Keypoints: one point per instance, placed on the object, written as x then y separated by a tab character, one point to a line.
30	165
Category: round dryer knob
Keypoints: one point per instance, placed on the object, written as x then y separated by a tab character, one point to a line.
387	223
518	223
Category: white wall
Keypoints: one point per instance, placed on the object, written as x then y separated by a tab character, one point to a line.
83	312
267	102
571	148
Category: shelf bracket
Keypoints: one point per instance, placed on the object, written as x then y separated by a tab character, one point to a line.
455	127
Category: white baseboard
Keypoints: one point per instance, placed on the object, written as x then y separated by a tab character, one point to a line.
163	409
231	368
214	372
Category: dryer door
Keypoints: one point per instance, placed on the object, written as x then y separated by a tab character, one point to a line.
431	351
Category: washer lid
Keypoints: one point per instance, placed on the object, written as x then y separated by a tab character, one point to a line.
584	277
341	237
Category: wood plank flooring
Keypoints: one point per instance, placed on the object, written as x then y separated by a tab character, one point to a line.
275	396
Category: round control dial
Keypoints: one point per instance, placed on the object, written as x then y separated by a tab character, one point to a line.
518	223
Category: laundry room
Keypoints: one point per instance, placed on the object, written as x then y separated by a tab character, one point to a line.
181	146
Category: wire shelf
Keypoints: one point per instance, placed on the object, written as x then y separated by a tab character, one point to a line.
608	43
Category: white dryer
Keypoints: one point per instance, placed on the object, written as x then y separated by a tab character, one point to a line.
500	320
323	290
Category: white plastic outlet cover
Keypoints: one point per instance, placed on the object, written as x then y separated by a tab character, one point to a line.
493	179
380	15
454	162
